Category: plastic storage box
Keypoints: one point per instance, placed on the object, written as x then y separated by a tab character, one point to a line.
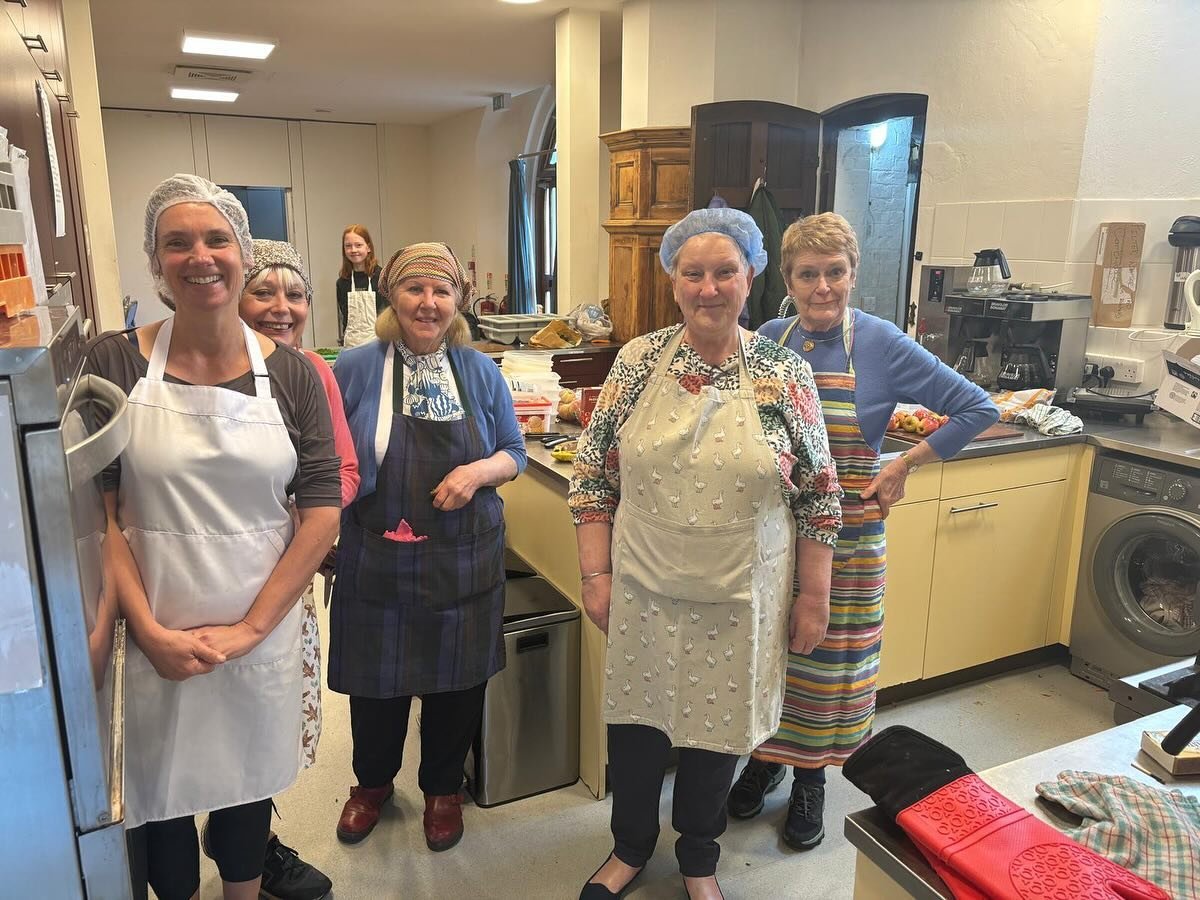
535	413
509	329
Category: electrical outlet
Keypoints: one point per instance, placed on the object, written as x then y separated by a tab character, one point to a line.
1126	369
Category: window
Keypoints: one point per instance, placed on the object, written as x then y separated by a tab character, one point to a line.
266	209
545	211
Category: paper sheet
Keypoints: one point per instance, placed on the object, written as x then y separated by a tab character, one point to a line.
60	215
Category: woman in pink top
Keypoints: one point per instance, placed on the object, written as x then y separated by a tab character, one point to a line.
275	302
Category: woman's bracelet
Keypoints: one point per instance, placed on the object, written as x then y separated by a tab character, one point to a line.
591	575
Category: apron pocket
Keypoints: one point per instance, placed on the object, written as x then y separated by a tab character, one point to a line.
701	564
437	574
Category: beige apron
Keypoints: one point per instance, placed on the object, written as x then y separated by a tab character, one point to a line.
703	547
204	506
360	314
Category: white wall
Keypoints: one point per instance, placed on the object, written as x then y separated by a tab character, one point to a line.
333	172
405	192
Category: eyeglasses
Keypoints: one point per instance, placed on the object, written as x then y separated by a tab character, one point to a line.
833	276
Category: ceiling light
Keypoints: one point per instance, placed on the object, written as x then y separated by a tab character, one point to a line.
221	46
178	93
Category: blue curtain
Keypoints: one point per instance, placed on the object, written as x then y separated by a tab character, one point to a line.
522	292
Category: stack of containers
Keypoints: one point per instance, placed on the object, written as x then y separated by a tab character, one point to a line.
535	388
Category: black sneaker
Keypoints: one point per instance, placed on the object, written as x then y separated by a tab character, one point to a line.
756	781
805	828
287	877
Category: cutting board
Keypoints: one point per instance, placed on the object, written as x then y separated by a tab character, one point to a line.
991	433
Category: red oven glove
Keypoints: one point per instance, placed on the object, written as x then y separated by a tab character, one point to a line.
980	842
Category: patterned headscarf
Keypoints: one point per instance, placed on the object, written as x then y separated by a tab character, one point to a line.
427	260
273	254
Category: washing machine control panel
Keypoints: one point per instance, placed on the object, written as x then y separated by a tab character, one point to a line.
1136	482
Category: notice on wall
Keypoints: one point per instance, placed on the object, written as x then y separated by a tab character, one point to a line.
60	214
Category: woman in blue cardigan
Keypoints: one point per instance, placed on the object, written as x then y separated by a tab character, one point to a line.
418	597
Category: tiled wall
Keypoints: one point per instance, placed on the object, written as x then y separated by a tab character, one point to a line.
1052	241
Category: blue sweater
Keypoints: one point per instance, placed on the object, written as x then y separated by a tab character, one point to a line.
892	368
359	374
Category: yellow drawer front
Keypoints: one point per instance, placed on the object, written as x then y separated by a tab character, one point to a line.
999	473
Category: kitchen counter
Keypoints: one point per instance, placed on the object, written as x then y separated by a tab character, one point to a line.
496	350
889	865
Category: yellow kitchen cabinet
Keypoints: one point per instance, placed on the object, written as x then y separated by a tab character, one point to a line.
993	575
911	530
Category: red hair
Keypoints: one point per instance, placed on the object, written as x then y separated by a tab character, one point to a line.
369	263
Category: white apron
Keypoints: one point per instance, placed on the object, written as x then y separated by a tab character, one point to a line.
203	503
703	547
360	315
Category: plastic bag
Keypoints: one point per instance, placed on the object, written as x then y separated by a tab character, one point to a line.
556	336
591	321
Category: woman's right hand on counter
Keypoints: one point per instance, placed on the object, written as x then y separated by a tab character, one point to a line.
178	655
597	594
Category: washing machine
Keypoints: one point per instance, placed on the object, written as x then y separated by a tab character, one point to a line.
1138	602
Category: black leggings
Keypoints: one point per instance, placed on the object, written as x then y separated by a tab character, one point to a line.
166	855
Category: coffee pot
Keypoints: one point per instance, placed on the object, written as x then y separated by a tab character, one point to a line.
989	277
1025	366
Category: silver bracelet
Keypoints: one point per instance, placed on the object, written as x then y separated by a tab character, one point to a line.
591	575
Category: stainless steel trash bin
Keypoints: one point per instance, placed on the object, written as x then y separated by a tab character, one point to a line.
529	740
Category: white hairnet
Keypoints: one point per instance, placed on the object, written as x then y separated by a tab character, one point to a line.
733	223
184	188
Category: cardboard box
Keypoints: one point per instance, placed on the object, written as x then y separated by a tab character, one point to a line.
1179	393
1114	280
1186	763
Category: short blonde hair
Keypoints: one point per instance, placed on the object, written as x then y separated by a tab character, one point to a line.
288	276
387	329
826	233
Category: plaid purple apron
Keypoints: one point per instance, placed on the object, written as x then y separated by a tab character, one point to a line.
419	617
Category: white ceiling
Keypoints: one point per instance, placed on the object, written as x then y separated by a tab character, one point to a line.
408	61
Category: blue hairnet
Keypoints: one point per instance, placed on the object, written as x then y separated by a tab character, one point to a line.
733	223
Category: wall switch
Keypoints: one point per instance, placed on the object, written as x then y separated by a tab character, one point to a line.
1126	369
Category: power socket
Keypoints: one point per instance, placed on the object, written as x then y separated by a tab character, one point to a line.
1128	370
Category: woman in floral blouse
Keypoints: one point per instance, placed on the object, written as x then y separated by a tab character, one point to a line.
706	506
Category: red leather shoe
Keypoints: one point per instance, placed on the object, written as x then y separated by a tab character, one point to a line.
443	821
361	812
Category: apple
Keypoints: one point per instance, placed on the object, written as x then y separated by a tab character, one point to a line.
911	423
929	426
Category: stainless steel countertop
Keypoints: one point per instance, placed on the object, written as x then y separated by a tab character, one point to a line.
1108	752
1161	437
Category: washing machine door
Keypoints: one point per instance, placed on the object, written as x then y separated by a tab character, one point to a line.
1147	576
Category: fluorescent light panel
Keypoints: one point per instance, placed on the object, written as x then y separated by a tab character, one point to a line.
178	93
219	46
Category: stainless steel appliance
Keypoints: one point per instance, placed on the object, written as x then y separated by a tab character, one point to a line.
1138	601
1018	340
1185	238
529	738
61	644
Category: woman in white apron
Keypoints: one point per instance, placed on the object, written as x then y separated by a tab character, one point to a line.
358	298
226	427
706	506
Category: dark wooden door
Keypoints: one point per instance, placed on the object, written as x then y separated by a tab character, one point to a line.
736	142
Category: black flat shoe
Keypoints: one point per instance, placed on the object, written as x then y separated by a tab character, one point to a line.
689	893
595	891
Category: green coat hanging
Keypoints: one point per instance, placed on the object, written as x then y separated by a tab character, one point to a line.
769	288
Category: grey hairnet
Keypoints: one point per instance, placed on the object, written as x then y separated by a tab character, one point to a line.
184	188
733	223
272	254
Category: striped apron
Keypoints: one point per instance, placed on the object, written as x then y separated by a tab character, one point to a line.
829	698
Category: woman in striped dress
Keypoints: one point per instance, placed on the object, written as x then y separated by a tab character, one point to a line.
863	366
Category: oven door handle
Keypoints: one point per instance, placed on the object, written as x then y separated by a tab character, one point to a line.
116	738
92	455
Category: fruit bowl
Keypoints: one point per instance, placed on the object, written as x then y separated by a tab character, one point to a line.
915	422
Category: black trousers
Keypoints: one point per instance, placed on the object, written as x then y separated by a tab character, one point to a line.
449	723
166	855
637	762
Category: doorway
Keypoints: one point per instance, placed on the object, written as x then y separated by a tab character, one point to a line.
266	209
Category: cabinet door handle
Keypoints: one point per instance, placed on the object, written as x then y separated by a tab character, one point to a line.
955	510
35	43
572	360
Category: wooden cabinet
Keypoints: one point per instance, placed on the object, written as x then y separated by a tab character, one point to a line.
649	180
993	574
911	531
587	369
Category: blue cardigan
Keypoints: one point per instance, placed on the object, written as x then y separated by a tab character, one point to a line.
359	373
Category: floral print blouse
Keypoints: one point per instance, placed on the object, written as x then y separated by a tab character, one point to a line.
788	406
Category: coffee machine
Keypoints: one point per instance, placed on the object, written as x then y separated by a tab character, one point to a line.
1020	340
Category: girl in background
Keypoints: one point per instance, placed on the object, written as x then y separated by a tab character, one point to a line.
358	298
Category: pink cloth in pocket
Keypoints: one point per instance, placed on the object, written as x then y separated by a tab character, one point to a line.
404	534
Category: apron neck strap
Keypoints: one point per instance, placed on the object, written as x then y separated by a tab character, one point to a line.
391	397
258	364
673	345
847	337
